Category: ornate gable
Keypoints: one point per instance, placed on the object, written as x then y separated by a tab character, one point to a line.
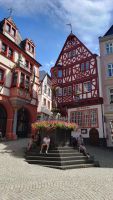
74	51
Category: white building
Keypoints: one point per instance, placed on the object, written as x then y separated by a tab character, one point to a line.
44	96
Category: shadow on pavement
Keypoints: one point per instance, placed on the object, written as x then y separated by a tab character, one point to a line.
15	148
102	154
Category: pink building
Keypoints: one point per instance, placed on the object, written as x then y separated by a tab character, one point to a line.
106	59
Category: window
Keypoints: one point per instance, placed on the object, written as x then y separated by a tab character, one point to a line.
8	28
27	82
85	118
45	89
22	80
87	66
59	91
49	105
109	48
69	90
93	115
26	64
10	53
87	87
59	73
28	46
111	95
54	74
14	79
32	49
64	91
13	32
71	54
82	67
77	89
4	48
110	70
1	74
44	102
49	92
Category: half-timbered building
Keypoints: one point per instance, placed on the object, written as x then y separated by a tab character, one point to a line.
75	78
19	80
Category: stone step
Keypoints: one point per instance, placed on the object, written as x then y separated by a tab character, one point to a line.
53	154
63	151
58	162
77	166
56	158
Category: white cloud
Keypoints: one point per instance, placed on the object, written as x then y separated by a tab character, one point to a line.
89	18
48	66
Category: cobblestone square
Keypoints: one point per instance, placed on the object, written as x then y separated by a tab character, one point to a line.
22	181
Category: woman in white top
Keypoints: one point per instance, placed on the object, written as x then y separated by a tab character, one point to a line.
46	143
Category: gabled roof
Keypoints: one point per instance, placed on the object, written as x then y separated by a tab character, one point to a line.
42	75
110	31
69	38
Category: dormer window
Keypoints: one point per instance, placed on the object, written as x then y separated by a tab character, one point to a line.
28	46
32	49
8	28
13	32
4	47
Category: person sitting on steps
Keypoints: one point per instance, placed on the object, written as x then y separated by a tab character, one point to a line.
30	143
45	143
82	149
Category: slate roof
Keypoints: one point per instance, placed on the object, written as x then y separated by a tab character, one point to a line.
109	32
42	75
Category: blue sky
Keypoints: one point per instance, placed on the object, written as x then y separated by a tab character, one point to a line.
44	21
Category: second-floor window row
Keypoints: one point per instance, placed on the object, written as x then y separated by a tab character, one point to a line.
24	81
78	89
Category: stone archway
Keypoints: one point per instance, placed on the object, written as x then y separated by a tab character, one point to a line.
94	136
23	123
3	120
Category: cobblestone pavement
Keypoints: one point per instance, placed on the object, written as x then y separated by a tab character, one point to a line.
22	181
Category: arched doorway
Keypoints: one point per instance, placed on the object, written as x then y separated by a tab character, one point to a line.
3	120
23	123
94	136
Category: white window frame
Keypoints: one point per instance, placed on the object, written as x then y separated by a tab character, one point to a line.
109	48
110	67
85	86
64	91
69	90
110	94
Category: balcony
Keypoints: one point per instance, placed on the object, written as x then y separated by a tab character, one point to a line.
20	64
23	94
